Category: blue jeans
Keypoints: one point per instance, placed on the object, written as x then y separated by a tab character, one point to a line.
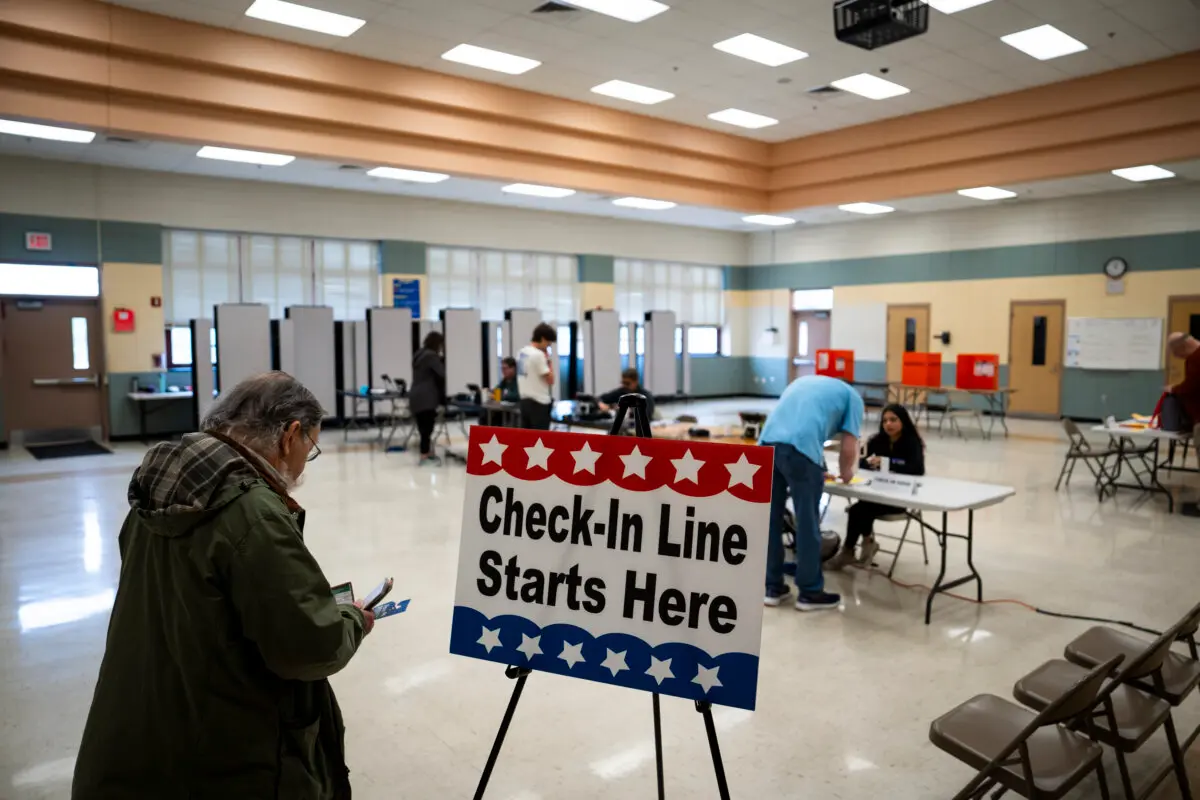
806	480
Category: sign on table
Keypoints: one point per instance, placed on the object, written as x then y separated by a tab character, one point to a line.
629	561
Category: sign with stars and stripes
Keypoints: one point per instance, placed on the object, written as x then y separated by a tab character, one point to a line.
629	561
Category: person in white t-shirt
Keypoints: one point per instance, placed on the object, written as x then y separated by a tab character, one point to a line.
535	377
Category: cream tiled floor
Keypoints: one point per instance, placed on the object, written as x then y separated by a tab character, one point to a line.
845	699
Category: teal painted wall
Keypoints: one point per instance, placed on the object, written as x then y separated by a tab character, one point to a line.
74	241
596	269
398	257
1162	252
131	243
1095	394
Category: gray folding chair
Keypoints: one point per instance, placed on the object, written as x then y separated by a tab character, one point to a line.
1080	449
903	537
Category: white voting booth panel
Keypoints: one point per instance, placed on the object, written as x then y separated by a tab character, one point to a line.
424	328
493	334
602	351
464	350
519	326
202	371
243	342
685	359
389	345
314	360
630	358
660	376
283	346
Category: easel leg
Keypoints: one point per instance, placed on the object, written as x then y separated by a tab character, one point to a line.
658	748
705	708
520	673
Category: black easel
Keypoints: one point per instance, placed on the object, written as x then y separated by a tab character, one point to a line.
641	424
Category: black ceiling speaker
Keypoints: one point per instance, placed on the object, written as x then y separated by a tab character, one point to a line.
874	23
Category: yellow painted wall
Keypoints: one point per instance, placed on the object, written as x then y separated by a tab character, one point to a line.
385	289
131	286
977	312
596	295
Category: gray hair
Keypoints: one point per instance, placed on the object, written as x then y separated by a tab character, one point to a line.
258	410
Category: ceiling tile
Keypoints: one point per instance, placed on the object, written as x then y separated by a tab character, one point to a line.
999	18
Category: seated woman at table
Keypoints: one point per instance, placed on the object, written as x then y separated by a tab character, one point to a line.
899	442
508	381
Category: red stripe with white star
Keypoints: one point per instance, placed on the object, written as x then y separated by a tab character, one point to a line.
692	469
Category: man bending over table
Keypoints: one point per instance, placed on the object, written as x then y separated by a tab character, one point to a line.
812	410
1186	347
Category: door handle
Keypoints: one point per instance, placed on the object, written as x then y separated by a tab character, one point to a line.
91	380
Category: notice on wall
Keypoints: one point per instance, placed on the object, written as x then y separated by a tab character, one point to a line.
407	294
628	561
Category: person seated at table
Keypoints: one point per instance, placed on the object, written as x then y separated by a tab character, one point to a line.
900	443
428	392
508	381
630	384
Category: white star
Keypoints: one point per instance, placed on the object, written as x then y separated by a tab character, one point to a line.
707	678
572	654
538	455
635	463
529	646
614	662
742	472
660	670
490	638
493	450
585	459
687	468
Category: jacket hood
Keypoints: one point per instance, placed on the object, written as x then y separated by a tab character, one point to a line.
180	483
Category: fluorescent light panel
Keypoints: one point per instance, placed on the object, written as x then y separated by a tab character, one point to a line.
628	10
534	190
870	86
866	208
632	92
245	156
49	280
494	60
310	19
35	131
987	193
412	175
643	203
954	6
764	51
1148	172
767	219
1044	42
743	119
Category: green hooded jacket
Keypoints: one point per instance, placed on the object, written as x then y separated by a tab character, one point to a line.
222	636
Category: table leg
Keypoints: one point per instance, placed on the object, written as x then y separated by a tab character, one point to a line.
971	555
937	584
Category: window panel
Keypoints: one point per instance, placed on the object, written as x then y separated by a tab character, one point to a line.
694	293
494	281
80	352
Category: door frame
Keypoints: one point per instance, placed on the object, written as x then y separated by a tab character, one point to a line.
794	335
887	317
1062	356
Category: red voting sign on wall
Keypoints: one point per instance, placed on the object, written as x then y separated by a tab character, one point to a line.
629	561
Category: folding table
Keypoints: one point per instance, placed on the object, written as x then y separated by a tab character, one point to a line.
1140	450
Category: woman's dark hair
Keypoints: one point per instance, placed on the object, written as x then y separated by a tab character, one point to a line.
544	332
908	429
433	341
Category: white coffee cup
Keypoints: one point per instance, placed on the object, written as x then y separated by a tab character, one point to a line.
885	464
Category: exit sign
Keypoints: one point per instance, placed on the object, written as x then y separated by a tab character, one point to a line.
37	241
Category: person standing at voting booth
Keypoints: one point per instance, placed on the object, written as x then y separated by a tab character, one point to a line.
535	377
812	410
224	630
898	448
428	392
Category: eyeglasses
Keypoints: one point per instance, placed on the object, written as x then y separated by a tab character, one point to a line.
316	450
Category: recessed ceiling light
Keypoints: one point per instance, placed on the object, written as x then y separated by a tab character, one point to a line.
245	156
1146	173
413	175
764	51
870	86
743	119
484	58
866	208
987	193
767	219
632	92
1044	42
628	10
311	19
35	131
534	190
644	203
954	6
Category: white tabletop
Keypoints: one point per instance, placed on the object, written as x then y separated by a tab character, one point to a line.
143	397
1142	433
923	492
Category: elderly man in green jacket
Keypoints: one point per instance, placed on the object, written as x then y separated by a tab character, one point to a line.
224	632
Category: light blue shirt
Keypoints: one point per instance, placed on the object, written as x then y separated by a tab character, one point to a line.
812	410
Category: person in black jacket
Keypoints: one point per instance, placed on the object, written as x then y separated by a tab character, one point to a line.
428	392
899	442
630	384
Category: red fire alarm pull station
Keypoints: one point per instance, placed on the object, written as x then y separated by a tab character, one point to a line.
122	320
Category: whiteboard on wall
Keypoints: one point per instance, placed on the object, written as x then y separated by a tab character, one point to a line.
1130	343
862	329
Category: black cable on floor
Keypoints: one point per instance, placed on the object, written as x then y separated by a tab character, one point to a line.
1132	625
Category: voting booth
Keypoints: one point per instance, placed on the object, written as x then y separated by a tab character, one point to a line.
518	328
464	351
659	375
389	345
243	342
836	364
311	359
203	370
